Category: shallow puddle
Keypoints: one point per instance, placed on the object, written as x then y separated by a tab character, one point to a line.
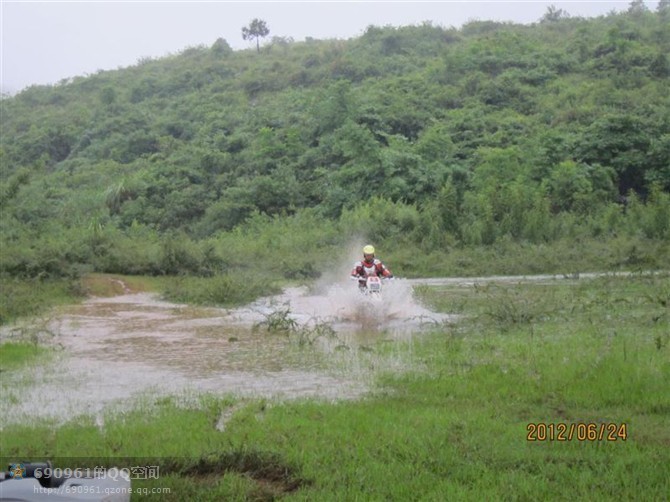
136	347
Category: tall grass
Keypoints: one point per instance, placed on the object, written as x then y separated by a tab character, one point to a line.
222	290
27	297
455	426
267	251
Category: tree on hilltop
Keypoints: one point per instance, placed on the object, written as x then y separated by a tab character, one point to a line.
554	14
256	29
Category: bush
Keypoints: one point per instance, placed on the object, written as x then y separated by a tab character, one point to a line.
20	298
224	290
381	220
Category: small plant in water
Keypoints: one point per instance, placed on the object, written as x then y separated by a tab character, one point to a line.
308	335
278	321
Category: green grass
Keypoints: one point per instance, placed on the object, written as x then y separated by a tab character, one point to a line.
222	290
259	260
455	427
14	355
507	257
28	297
21	298
116	284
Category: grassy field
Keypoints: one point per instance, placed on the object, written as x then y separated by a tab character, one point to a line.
478	417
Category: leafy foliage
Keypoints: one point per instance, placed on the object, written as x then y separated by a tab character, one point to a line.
204	161
256	29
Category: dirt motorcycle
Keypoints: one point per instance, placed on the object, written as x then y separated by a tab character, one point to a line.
37	481
372	287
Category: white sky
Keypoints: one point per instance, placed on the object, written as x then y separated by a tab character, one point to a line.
46	41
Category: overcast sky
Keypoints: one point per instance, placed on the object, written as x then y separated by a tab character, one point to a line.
46	41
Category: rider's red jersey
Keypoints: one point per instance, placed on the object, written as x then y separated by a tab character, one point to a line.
364	269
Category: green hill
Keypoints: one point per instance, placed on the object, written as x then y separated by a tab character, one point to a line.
417	137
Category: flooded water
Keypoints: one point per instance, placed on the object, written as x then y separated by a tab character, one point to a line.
133	348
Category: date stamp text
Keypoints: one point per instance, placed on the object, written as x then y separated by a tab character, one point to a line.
576	431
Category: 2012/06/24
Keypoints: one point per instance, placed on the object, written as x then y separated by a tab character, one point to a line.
580	431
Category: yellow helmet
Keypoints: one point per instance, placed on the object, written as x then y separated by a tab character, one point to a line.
369	249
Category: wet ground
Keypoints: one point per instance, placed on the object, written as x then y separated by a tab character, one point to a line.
124	350
129	350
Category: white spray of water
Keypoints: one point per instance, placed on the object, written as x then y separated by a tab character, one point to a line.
120	349
335	298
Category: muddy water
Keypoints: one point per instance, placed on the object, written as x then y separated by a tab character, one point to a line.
121	351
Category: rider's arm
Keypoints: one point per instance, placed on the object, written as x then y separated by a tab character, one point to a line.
385	271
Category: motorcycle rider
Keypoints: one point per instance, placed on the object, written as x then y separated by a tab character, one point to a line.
368	266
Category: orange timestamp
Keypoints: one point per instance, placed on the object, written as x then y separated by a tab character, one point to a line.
576	431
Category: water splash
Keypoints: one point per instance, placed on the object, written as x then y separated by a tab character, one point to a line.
121	350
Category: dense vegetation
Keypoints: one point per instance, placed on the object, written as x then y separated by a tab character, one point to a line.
495	134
